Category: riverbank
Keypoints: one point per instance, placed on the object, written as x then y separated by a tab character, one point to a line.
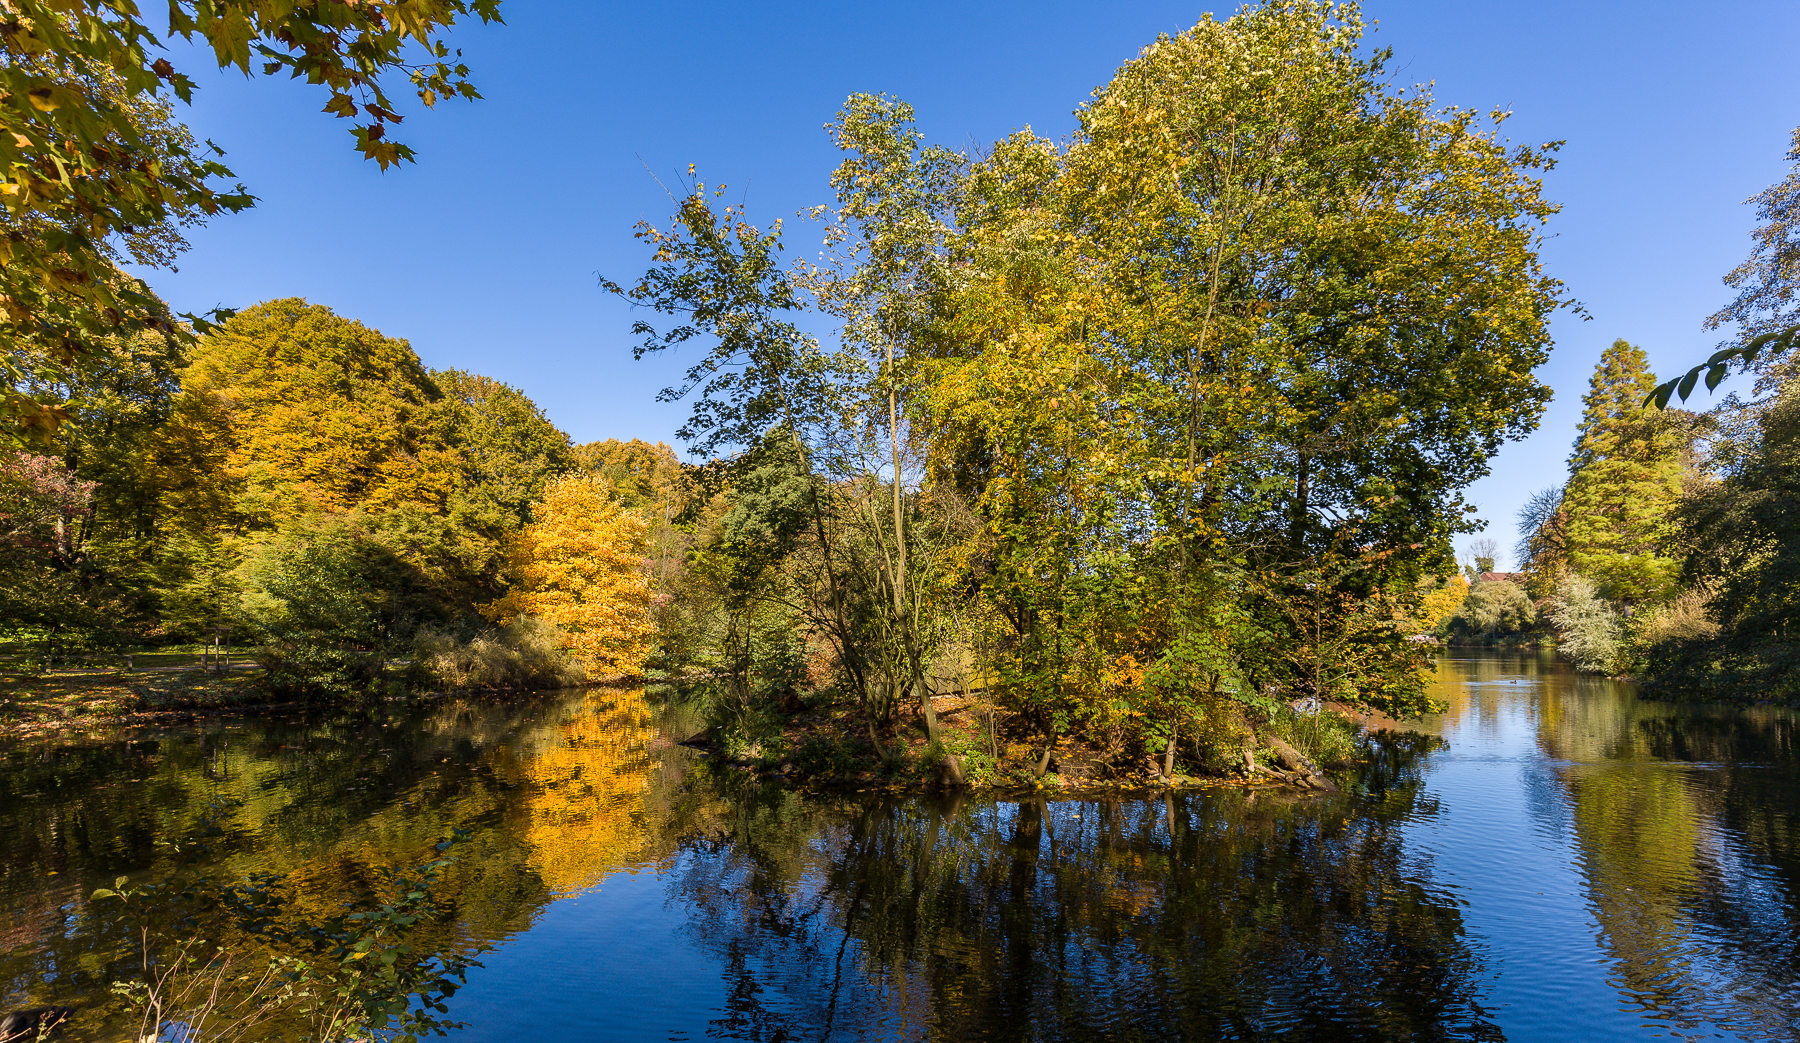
56	701
71	701
984	749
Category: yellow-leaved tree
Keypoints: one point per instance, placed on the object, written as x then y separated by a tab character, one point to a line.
579	563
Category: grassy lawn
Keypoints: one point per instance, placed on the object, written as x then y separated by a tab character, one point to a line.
72	696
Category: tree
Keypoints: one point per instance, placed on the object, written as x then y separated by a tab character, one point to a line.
42	508
1483	555
579	564
764	386
1494	609
1236	333
507	451
895	201
114	403
1212	377
1768	299
330	599
646	478
92	162
288	408
1588	632
1441	601
290	415
1625	477
1543	547
1741	534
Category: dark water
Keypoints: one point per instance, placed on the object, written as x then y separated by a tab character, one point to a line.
1556	861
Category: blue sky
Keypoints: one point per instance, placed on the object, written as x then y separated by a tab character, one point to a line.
485	253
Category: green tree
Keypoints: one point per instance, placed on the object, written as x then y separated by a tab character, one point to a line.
765	393
646	477
895	202
1741	533
1263	336
1495	609
507	452
1588	631
1625	477
113	402
332	598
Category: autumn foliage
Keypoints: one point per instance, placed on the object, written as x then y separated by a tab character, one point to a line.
580	564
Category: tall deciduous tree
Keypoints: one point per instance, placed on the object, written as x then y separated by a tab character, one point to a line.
290	408
764	387
1625	478
580	565
1742	536
895	201
1269	336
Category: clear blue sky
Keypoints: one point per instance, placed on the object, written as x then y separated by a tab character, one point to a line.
485	253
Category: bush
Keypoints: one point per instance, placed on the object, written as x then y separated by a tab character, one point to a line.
1686	619
331	599
1587	627
525	653
1493	609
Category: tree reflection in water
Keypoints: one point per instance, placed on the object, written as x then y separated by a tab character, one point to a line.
549	795
1688	837
1213	915
1218	914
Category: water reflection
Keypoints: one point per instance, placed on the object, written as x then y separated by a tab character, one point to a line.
550	794
1681	828
1212	916
1558	861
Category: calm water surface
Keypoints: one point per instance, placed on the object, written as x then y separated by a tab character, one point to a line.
1555	860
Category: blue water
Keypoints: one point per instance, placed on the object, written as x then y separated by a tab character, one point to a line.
1550	859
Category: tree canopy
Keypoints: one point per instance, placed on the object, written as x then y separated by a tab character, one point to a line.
95	168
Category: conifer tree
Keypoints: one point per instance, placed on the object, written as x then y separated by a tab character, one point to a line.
1625	477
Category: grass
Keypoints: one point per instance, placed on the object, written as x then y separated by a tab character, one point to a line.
76	697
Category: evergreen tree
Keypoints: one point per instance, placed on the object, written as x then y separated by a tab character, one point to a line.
1625	478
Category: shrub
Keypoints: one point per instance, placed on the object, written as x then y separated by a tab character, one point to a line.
1587	627
525	653
1492	610
1684	619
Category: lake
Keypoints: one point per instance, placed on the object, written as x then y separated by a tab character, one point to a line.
1550	859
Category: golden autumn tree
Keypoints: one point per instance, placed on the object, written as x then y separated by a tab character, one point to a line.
579	564
1438	601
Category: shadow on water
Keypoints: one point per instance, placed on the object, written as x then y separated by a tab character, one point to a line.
618	890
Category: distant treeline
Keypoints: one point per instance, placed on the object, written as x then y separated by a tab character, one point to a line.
1672	550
